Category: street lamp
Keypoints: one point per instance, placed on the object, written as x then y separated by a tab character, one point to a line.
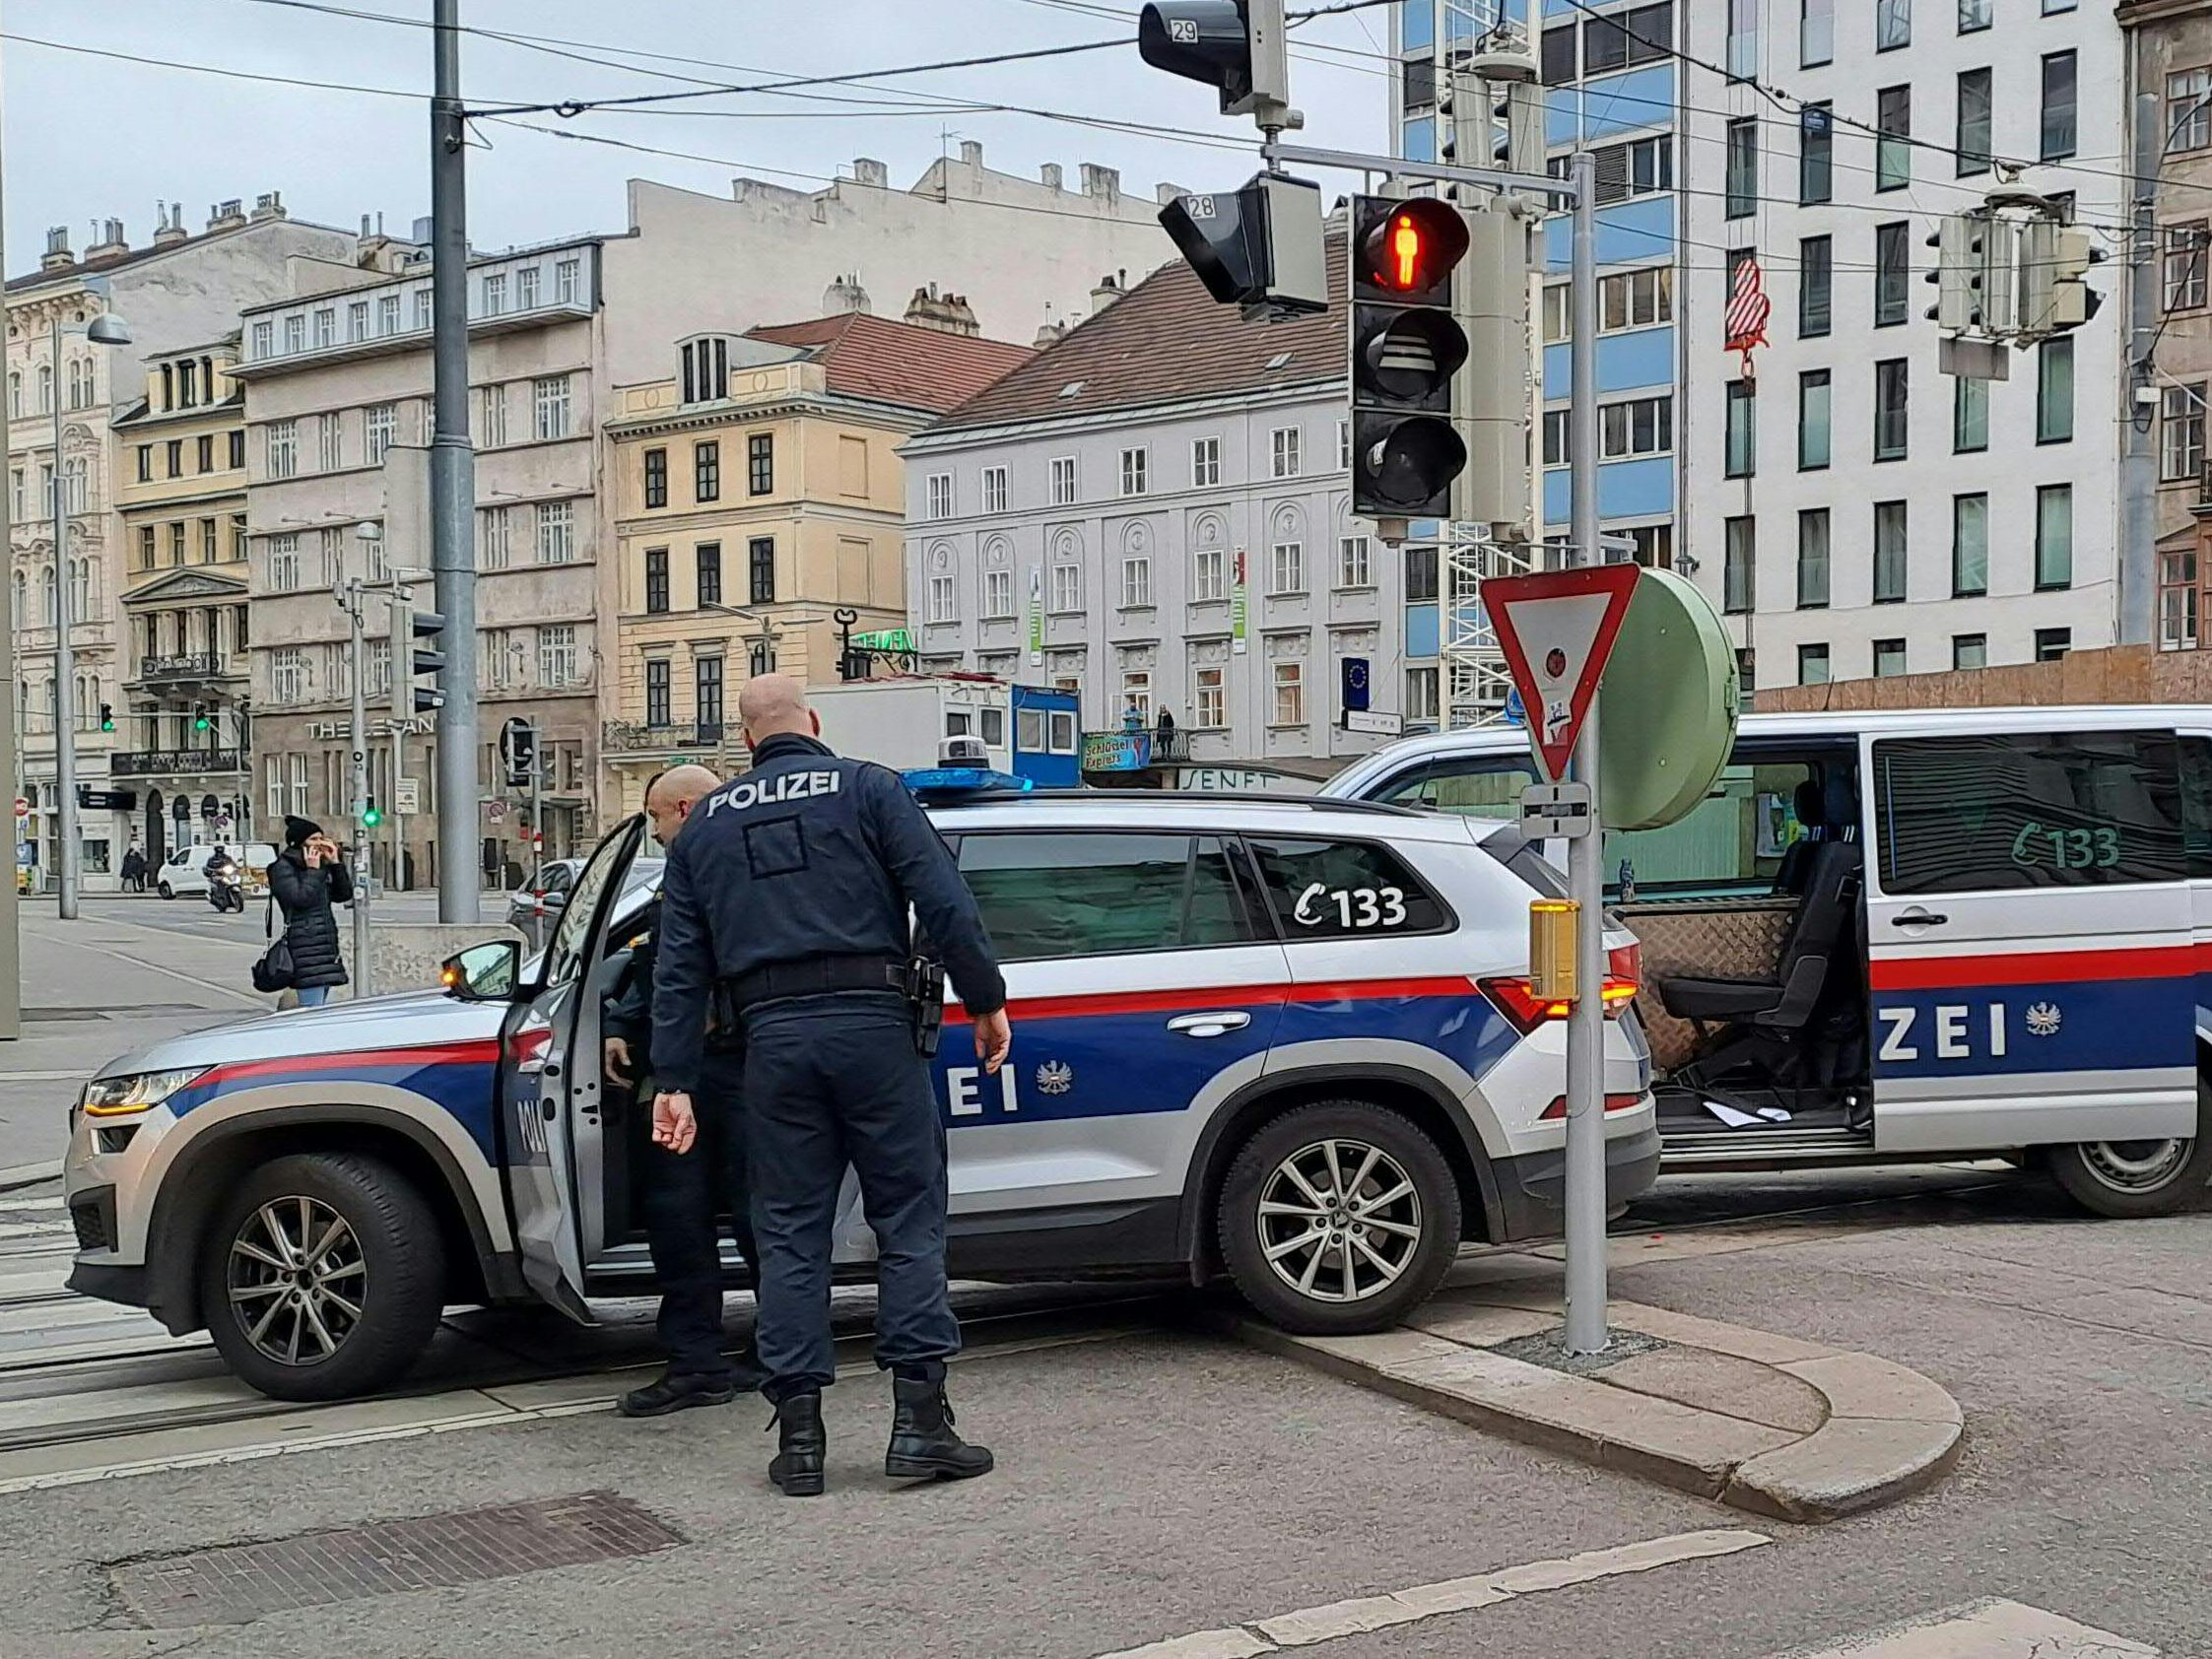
106	329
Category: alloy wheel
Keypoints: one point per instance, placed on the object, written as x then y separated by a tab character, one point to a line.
297	1280
1339	1221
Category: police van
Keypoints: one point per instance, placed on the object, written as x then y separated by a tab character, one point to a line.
1892	935
1289	1040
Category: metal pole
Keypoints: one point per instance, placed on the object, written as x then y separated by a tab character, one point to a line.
2138	476
350	592
65	660
1585	867
453	478
11	774
399	628
537	819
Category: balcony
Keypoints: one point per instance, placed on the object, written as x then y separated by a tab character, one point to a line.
1134	749
190	667
630	738
174	763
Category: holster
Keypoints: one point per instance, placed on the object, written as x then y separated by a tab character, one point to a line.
926	991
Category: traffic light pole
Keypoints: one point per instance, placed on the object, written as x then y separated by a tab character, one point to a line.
350	595
1586	1331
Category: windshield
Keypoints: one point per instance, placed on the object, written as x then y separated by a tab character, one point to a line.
573	938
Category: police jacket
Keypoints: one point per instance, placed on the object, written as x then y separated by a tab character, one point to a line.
630	1016
808	855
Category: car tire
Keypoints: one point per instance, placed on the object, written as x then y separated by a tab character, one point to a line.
2131	1180
1293	1260
165	891
387	1249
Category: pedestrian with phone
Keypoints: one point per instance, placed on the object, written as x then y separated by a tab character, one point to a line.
306	881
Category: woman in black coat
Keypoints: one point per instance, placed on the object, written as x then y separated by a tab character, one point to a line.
306	879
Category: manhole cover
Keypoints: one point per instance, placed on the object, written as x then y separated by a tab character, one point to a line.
244	1581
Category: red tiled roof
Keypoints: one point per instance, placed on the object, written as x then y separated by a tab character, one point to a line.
898	361
1166	341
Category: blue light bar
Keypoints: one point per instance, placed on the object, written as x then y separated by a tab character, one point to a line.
944	785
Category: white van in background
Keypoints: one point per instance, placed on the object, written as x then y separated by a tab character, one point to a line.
184	871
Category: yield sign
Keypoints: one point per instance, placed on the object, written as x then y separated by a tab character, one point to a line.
1557	630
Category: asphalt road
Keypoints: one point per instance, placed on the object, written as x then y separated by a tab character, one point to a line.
1157	1483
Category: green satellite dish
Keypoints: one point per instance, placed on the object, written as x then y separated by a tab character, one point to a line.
1666	706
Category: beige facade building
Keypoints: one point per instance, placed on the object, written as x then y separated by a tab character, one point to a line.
759	512
180	506
183	289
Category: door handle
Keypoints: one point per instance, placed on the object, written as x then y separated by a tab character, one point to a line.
1917	918
1210	1025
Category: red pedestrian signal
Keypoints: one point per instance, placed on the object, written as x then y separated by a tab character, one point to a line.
1411	250
1406	346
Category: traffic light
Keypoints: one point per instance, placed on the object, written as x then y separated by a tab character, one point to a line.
519	750
2054	291
372	816
107	716
411	661
200	720
1491	409
1260	249
1237	46
1405	348
1973	273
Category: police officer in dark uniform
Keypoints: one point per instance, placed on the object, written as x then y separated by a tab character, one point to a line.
681	1194
787	900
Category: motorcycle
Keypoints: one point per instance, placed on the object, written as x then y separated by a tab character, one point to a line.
226	890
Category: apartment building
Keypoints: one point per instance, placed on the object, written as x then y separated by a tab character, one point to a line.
1153	514
759	510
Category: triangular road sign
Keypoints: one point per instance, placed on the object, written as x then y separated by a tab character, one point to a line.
1557	630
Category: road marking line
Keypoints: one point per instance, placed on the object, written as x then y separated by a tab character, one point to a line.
1990	1629
1361	1614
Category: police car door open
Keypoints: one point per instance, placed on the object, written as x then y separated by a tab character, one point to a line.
2031	968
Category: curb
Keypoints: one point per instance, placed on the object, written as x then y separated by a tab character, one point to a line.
28	1175
1884	1432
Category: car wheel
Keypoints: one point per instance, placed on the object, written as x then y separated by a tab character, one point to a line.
2131	1179
167	891
323	1277
1338	1218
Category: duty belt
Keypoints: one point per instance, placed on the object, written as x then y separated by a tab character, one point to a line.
817	977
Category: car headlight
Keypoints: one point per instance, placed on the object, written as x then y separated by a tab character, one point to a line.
119	1096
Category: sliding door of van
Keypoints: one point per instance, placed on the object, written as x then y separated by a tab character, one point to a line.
2030	942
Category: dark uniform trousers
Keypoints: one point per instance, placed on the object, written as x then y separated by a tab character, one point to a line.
830	1080
682	1194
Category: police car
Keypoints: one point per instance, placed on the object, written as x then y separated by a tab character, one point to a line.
1891	935
1289	1040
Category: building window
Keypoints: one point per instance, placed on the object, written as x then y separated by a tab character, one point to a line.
1133	466
656	478
1420	575
1972	143
1206	575
1813	431
284	563
1743	166
1062	470
175	455
707	471
2181	448
1290	694
491	409
2183	283
330	442
995	490
1816	154
658	672
1893	273
1136	582
283	449
379	423
1283	451
2054	391
550	407
2180	600
238	449
2188	109
494	292
707	572
759	570
1286	568
1209	703
1893	149
2058	106
1893	25
1812	665
1739	549
1067	588
1974	14
294	333
1970	546
1889	658
425	304
2054	535
206	541
203	452
526	289
708	700
1815	280
146	464
941	601
1205	463
1969	415
557	655
566	281
1812	558
760	464
1354	567
1890	427
998	594
1742	447
1889	551
495	540
2051	643
1632	298
557	532
387	314
1642	167
1421	696
1642	426
287	675
264	341
175	545
1743	39
1969	650
707	369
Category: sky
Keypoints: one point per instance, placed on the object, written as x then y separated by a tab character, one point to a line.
90	137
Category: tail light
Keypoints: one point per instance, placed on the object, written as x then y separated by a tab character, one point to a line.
1514	998
1613	1104
1626	965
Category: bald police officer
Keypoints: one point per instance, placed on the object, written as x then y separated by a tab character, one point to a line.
787	900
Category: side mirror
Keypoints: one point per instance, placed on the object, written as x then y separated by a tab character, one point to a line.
485	972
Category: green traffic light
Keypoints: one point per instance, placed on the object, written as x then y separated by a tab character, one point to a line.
371	817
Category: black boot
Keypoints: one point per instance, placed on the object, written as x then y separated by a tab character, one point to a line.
673	1393
796	1468
923	1445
